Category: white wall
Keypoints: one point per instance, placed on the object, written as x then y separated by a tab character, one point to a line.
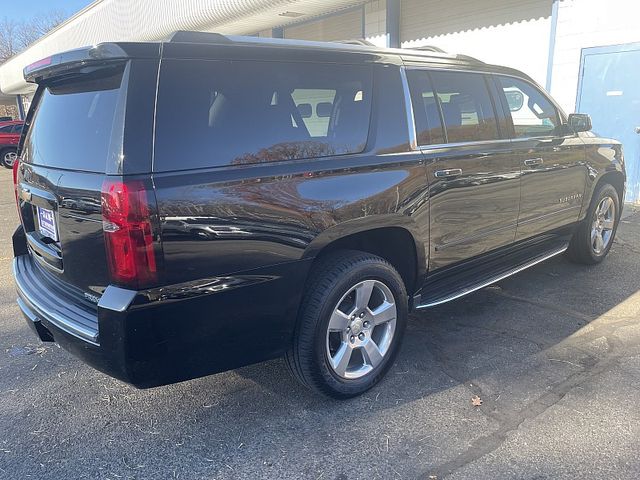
513	33
375	22
588	23
340	26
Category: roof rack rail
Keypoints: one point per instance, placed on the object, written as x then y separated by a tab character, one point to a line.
468	58
433	48
428	48
356	41
185	36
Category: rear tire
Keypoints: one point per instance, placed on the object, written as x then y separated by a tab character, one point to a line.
8	157
350	325
593	239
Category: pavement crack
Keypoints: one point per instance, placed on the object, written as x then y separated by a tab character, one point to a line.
512	420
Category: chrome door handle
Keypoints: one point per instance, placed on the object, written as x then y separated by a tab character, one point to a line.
451	172
530	162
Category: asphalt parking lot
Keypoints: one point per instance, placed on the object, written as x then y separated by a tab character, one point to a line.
553	354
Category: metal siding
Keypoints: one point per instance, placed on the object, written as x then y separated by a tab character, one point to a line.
339	26
508	32
142	20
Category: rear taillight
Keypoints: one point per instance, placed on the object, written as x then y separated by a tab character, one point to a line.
128	234
15	167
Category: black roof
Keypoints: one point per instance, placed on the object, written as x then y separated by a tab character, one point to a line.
197	44
355	46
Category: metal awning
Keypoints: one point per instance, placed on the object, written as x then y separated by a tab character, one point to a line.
7	100
142	20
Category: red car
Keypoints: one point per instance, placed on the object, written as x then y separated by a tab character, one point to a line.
9	138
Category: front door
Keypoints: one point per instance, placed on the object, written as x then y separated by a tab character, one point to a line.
610	92
473	174
553	167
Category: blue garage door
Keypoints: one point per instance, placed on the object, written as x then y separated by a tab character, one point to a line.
610	92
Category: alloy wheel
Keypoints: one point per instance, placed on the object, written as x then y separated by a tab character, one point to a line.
361	329
9	158
602	225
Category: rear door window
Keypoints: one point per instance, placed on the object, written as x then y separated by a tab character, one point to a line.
466	106
217	113
425	108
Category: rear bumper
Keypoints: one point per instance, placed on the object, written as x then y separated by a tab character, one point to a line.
167	335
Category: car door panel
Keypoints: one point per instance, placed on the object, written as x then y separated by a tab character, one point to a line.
553	182
473	174
553	166
475	211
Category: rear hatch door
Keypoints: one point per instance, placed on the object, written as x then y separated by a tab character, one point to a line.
74	136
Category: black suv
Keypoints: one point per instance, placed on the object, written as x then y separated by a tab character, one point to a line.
227	200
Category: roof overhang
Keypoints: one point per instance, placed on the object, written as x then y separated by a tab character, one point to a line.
7	100
141	20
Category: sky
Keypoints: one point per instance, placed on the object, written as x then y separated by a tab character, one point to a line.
24	9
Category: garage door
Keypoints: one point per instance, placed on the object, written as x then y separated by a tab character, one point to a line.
508	32
343	26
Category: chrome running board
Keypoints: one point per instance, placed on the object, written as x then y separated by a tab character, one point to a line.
485	282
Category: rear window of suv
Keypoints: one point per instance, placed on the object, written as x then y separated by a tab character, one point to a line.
217	113
73	123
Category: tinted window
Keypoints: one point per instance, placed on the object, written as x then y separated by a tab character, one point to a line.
532	113
17	128
466	106
72	124
425	108
6	129
216	113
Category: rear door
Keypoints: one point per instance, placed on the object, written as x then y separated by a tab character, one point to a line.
75	129
472	172
553	163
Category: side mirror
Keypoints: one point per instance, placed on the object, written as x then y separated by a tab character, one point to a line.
579	122
515	100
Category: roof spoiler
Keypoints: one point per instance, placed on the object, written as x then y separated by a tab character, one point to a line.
103	53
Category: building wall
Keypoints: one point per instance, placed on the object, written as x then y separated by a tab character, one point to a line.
339	26
514	33
375	22
588	23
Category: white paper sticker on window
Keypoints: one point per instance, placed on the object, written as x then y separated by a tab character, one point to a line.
614	93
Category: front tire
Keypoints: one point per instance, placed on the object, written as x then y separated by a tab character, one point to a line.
351	322
8	157
594	237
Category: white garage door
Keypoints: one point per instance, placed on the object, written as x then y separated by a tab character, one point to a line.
508	32
343	26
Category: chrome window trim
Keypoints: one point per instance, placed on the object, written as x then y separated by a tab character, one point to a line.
440	146
561	113
411	121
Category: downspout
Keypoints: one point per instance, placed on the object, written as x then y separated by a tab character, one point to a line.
552	42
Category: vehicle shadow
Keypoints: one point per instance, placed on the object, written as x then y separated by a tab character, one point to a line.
493	336
513	345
